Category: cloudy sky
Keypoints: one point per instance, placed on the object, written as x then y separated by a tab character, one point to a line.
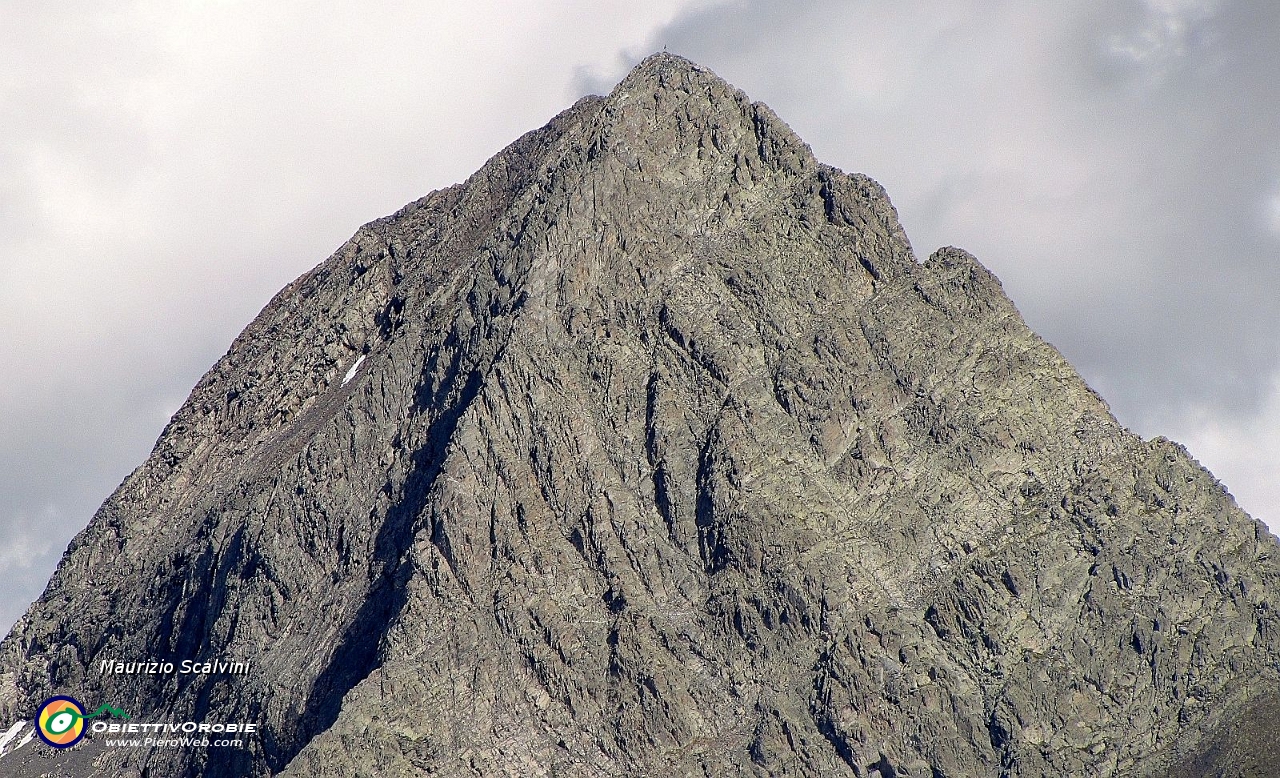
166	167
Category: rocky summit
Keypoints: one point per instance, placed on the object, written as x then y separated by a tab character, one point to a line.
653	450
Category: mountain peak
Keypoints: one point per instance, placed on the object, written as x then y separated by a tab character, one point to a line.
674	99
662	63
650	449
666	71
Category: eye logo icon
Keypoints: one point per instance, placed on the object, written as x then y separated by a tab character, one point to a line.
60	722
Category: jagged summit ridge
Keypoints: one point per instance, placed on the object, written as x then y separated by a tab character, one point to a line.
651	449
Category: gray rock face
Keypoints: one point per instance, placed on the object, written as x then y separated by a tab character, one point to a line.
651	449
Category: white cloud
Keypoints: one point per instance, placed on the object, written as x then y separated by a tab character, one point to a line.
26	542
1165	33
1241	450
1271	213
28	550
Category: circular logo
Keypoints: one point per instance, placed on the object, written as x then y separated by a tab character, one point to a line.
60	721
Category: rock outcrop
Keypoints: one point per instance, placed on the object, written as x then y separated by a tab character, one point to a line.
652	449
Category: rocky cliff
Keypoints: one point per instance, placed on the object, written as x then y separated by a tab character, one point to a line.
652	449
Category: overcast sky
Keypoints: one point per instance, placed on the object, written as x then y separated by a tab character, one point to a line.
166	167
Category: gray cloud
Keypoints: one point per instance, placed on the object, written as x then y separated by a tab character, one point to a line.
1117	164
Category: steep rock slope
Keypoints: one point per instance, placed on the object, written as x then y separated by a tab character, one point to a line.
652	449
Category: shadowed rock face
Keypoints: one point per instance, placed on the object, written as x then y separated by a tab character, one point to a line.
662	455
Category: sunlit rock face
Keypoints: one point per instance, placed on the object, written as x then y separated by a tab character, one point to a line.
652	449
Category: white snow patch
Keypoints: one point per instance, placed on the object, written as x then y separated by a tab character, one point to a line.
351	372
11	734
31	735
